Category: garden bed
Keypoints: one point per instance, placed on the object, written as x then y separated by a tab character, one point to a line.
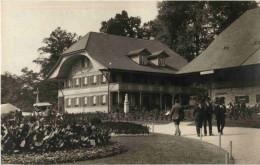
64	156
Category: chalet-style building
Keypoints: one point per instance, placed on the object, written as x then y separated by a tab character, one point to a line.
231	64
99	69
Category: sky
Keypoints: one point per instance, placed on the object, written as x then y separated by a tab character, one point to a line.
26	24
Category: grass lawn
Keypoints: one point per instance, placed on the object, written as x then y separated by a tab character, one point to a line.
163	149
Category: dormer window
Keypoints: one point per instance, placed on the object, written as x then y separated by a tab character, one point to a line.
161	61
139	56
143	60
158	58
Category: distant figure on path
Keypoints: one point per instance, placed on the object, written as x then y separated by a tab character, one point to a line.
177	115
198	113
220	113
208	110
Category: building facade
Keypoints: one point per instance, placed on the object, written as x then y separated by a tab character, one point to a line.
99	70
230	66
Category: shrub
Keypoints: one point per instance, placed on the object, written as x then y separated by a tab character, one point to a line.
41	137
125	128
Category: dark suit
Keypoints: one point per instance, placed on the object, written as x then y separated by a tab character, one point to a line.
199	114
220	113
208	111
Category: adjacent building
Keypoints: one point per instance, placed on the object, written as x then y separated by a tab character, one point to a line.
230	66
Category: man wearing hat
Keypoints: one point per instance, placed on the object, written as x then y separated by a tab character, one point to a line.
208	110
198	113
220	113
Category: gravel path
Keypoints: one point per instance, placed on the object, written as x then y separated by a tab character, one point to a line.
246	141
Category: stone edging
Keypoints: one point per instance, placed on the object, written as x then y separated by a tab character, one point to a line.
127	135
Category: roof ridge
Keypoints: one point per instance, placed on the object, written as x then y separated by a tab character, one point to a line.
88	39
126	37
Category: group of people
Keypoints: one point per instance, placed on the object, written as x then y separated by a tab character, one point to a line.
203	113
240	111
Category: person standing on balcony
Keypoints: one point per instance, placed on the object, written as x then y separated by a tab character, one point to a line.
177	115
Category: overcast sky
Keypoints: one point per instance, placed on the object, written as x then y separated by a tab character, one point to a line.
25	24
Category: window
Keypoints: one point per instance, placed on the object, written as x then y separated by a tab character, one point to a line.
143	60
132	100
85	80
161	61
104	79
94	79
258	98
69	102
86	62
242	99
104	99
94	100
77	102
85	100
77	82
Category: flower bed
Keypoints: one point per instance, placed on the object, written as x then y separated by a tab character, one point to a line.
64	156
69	131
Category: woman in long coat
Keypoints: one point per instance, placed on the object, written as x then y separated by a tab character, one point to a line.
177	115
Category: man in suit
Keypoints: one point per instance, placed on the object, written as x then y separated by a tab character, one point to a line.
199	117
208	112
220	113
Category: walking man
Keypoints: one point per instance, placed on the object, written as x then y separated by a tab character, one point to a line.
198	113
177	115
208	112
220	113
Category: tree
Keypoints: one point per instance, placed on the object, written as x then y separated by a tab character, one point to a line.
17	91
58	41
123	25
189	27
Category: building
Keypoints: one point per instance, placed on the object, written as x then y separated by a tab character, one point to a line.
99	69
230	66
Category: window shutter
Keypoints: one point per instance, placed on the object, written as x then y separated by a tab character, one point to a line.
65	84
72	83
97	79
72	102
89	101
66	102
81	101
90	80
97	100
80	82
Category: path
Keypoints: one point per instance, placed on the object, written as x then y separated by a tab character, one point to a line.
246	141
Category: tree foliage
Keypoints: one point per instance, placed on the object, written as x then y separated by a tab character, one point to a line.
58	41
123	25
189	27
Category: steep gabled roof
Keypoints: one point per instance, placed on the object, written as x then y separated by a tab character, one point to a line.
237	45
111	49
